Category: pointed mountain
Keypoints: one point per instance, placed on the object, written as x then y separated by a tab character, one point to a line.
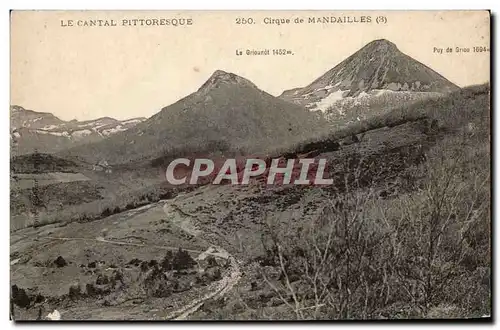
227	111
221	78
377	68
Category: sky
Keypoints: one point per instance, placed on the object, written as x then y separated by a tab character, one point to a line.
124	71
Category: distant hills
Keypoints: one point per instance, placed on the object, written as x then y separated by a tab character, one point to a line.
45	132
377	76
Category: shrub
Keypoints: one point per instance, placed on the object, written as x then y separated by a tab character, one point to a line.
166	263
182	260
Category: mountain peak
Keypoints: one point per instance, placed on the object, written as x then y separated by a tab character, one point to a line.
221	74
222	78
380	48
382	44
377	67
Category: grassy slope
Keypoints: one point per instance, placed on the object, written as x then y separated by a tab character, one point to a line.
423	252
239	117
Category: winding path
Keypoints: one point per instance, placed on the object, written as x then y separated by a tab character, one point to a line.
217	289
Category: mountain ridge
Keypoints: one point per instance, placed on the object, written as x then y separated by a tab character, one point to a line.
46	132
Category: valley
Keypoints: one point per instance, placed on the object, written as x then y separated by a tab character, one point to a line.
403	232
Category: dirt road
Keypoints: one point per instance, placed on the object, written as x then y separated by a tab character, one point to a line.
217	289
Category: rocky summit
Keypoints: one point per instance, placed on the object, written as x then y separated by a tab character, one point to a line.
379	68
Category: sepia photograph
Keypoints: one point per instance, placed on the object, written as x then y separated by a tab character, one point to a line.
250	165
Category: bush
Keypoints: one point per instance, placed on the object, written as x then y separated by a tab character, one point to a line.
166	263
20	297
74	291
182	260
106	213
60	262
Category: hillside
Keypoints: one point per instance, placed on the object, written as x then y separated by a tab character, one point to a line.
42	131
228	113
21	117
41	163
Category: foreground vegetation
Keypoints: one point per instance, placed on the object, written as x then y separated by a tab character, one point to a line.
422	254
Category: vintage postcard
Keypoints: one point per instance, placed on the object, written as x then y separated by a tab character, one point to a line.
250	165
